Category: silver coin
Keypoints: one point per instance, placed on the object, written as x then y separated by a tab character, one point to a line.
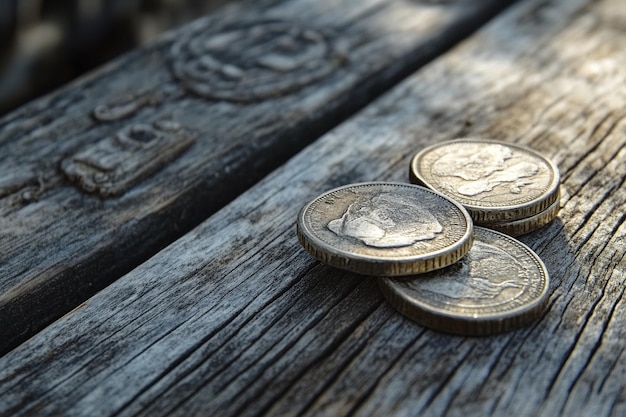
385	229
499	285
495	181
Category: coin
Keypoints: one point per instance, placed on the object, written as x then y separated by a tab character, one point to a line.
385	229
495	181
499	285
529	224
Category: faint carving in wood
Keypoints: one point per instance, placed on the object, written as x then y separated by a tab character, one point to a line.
252	60
125	106
112	165
22	187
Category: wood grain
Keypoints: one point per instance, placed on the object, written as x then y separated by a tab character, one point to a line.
99	176
236	319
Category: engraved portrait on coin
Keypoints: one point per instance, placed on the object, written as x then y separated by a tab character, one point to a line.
498	285
495	181
386	220
476	170
385	229
486	277
251	59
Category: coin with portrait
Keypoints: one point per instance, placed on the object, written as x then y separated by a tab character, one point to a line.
499	285
385	229
496	181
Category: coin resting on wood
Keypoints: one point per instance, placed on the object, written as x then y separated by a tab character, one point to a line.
505	187
494	180
499	285
386	229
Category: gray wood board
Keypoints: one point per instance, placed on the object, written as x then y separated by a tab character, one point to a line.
99	176
237	319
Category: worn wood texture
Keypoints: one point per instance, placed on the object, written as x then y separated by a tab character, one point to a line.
100	175
237	319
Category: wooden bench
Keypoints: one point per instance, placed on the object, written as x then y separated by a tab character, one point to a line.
98	177
235	318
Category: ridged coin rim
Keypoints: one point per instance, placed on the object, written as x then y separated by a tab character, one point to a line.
523	226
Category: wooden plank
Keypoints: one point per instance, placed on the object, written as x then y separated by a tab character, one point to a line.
236	319
100	175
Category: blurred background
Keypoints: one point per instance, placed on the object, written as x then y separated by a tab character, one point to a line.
46	43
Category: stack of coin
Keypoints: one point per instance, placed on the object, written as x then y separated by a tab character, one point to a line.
504	187
420	243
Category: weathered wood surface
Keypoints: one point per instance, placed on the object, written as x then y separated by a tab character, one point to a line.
236	319
97	177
